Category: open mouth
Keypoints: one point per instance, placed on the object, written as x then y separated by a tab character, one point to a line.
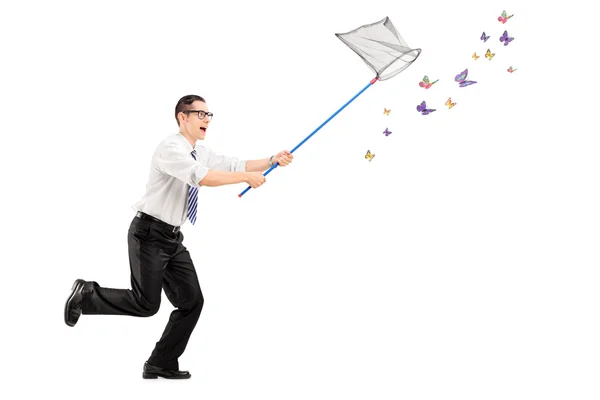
203	129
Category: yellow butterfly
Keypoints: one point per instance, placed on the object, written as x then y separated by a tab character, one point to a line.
475	56
369	156
386	111
489	55
449	103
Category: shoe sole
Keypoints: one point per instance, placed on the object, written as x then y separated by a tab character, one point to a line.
73	291
150	375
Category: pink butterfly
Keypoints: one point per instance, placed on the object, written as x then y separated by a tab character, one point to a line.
503	18
425	82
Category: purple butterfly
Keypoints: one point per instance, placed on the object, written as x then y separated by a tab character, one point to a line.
422	108
484	38
386	132
461	79
504	38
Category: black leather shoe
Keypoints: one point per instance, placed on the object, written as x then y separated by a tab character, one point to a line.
153	372
73	304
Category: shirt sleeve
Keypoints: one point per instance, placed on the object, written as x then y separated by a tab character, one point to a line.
223	163
170	160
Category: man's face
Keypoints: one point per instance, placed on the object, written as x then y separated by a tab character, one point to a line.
195	126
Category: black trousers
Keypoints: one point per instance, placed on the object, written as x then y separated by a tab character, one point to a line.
158	260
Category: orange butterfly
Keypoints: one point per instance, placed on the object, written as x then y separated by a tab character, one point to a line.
386	111
449	103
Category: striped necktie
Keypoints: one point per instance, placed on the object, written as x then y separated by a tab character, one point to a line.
192	202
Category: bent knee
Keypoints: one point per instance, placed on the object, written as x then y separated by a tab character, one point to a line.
150	309
195	302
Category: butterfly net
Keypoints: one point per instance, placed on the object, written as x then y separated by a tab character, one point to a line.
380	46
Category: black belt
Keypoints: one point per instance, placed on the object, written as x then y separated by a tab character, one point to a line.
147	217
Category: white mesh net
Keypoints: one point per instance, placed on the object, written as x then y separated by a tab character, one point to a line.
380	45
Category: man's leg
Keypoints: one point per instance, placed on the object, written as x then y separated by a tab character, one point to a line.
143	300
183	291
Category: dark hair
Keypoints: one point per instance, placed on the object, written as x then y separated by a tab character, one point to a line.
185	102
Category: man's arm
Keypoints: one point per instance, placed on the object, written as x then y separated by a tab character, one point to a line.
226	163
219	178
282	159
258	165
172	161
219	162
232	170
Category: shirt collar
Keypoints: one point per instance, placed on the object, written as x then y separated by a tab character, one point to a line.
187	144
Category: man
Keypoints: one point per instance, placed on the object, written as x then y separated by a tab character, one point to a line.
158	259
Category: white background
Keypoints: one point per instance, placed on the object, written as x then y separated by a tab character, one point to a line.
462	262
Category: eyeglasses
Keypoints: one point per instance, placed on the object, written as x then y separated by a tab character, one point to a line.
201	114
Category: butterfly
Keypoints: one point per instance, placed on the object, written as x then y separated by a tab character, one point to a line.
489	55
475	56
461	79
425	82
504	38
386	111
449	103
484	38
422	108
386	132
503	18
510	69
369	156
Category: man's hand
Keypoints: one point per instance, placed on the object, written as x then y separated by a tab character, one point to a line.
283	158
255	179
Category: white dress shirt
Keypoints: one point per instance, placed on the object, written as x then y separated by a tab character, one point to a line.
173	171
